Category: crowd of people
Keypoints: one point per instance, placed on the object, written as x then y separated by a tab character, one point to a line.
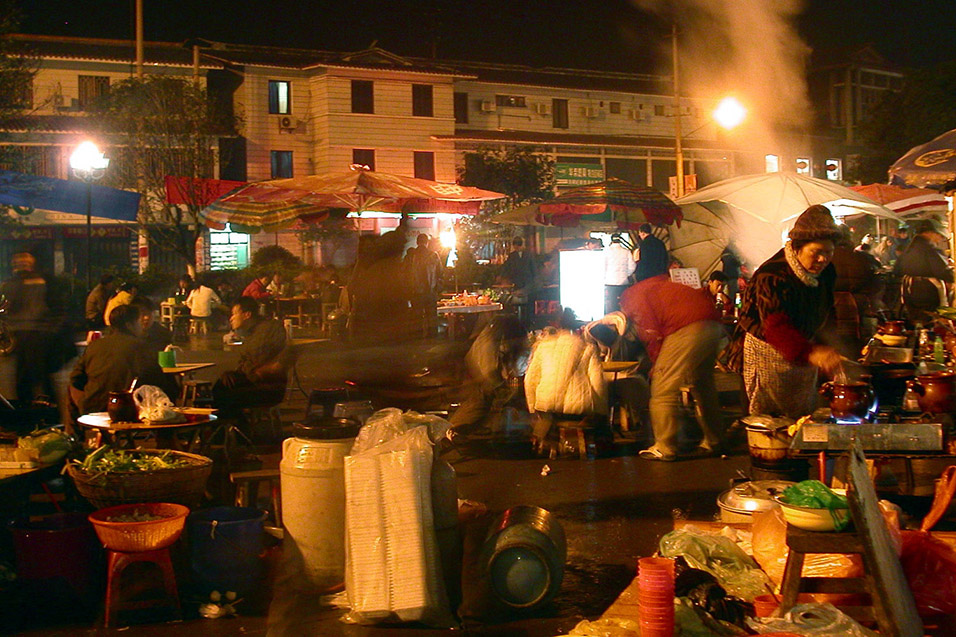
775	329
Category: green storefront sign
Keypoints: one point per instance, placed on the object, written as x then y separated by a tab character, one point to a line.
566	175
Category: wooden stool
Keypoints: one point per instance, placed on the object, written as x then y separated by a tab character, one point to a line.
801	543
194	390
118	562
198	326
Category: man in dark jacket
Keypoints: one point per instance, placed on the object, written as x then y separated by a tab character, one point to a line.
653	254
518	268
924	272
112	362
261	376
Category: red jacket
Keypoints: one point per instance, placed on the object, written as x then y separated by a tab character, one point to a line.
658	307
257	290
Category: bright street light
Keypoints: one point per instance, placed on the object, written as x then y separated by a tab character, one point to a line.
730	113
88	164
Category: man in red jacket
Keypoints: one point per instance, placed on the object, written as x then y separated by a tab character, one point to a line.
681	330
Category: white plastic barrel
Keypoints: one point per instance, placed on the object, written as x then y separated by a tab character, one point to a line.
312	482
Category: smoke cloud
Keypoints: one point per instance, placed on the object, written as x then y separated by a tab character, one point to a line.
748	48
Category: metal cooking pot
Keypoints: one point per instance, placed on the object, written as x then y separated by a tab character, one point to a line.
740	502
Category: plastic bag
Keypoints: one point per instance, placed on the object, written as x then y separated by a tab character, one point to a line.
154	405
811	619
392	566
930	568
607	627
770	551
736	571
814	494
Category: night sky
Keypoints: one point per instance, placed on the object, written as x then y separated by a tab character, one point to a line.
608	34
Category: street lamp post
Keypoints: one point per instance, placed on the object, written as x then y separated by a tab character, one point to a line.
88	164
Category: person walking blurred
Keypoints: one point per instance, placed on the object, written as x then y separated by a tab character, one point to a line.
202	303
34	316
96	302
424	270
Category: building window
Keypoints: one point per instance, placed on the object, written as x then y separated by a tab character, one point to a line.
424	165
834	170
559	113
422	100
364	157
510	100
803	166
280	97
92	87
659	110
771	163
614	107
363	97
461	108
281	164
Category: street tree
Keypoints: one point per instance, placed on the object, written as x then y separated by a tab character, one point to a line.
922	110
18	67
165	126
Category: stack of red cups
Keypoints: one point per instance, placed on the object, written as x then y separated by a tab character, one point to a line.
656	596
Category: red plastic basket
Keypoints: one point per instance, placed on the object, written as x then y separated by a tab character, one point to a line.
133	537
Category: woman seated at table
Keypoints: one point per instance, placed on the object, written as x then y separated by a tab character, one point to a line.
112	362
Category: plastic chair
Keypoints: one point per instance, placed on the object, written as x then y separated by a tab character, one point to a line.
118	562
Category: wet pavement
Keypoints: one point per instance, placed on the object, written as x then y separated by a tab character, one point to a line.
613	509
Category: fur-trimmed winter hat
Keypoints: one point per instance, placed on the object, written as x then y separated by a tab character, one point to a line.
815	224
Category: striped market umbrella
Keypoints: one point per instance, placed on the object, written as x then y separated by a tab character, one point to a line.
614	204
277	203
906	202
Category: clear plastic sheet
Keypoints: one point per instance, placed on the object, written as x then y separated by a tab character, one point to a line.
811	619
736	571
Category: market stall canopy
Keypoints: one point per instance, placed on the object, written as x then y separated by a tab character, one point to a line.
614	204
279	201
908	203
196	191
28	192
753	213
929	165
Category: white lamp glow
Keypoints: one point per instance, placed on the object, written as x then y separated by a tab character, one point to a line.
730	112
448	238
88	158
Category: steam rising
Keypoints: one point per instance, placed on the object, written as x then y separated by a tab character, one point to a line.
749	48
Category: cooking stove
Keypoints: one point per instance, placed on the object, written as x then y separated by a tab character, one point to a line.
889	430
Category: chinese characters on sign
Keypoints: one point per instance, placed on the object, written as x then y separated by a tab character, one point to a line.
566	175
690	185
687	276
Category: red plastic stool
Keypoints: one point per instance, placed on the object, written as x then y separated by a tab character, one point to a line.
118	561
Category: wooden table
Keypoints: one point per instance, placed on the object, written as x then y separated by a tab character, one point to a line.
300	314
186	369
454	314
122	433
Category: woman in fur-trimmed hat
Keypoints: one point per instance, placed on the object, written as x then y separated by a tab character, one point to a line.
776	344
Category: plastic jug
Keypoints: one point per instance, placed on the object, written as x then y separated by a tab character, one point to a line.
312	482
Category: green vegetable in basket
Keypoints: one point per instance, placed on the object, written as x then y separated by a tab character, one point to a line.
106	460
46	445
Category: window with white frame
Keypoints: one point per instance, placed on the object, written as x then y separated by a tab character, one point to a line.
834	170
771	163
803	165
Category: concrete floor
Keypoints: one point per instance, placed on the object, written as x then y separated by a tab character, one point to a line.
613	509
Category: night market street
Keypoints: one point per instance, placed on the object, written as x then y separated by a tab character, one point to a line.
613	509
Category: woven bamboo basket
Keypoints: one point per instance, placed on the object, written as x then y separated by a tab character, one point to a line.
132	537
182	485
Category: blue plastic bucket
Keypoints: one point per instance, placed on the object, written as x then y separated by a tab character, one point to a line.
226	546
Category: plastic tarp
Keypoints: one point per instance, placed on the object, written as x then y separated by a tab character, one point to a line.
48	193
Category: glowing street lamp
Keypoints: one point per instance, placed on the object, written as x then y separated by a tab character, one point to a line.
730	113
88	164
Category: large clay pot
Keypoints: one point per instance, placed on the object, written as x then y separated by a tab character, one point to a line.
852	400
121	407
893	327
936	392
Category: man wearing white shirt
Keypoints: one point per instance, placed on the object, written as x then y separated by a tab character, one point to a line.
618	267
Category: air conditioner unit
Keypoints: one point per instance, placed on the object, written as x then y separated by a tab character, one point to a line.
488	106
590	112
543	109
287	122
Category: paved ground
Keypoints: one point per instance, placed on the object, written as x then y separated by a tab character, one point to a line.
613	509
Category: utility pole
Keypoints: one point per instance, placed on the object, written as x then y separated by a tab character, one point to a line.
139	39
678	142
